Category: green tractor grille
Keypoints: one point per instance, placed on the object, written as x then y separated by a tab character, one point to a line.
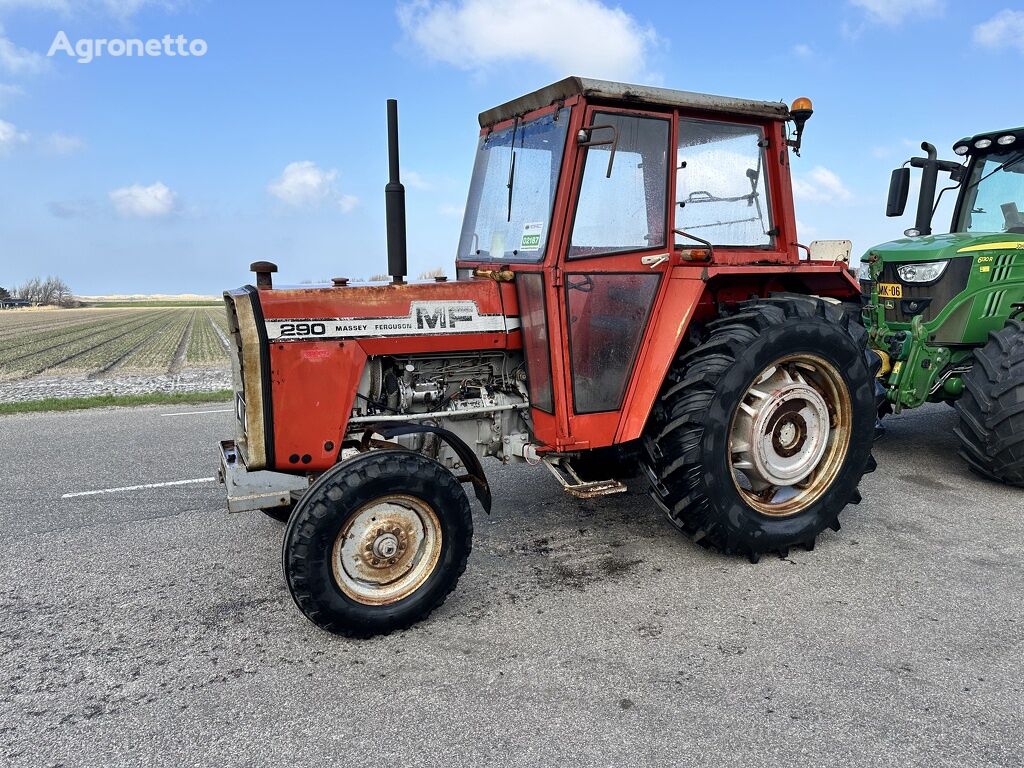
926	300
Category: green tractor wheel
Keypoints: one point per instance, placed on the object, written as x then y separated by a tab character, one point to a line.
991	429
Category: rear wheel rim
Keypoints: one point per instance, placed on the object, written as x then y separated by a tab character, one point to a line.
387	549
790	434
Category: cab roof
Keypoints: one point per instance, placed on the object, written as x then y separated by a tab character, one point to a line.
643	95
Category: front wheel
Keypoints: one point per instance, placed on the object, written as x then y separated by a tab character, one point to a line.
991	409
377	543
764	430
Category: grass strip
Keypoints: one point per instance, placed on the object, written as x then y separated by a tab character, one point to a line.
107	401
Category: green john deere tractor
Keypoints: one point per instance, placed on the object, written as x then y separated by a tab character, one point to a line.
946	312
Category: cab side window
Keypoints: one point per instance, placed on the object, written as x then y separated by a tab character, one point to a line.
721	189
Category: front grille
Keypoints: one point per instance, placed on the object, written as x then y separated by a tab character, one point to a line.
235	350
925	300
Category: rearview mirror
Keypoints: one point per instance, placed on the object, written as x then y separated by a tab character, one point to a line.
899	189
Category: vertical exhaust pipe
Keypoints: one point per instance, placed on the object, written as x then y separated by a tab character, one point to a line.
394	200
926	198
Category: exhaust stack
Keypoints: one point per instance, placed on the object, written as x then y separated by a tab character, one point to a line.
394	200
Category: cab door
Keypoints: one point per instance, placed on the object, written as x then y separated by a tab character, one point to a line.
614	259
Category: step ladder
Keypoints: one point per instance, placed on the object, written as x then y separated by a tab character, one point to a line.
576	486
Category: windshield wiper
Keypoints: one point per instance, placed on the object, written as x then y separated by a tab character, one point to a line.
512	169
1014	159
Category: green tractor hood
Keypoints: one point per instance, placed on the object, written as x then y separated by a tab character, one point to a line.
941	247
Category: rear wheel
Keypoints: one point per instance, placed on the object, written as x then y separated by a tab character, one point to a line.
377	543
764	430
991	409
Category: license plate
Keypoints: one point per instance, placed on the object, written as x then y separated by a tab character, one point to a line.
890	291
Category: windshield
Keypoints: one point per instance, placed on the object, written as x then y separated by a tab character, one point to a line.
508	213
993	200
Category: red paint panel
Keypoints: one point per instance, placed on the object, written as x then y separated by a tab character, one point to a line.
665	334
375	300
313	388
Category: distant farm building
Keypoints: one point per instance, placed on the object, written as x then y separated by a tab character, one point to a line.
14	303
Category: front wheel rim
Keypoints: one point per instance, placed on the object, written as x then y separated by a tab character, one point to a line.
387	549
790	434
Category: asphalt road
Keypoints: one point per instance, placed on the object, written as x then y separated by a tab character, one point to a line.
152	628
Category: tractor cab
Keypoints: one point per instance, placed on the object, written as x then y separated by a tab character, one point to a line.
612	207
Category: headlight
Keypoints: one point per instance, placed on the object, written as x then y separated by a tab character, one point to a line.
921	273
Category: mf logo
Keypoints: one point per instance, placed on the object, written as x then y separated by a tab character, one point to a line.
433	315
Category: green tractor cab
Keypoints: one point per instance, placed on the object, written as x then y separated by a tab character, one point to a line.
944	312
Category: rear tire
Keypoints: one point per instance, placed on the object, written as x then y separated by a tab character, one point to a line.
704	473
377	543
991	409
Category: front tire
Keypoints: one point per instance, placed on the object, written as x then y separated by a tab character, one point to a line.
377	543
764	430
991	409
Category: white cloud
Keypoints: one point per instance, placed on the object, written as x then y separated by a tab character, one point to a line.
821	186
1004	30
303	184
602	41
142	202
893	12
803	51
63	144
19	61
453	211
10	136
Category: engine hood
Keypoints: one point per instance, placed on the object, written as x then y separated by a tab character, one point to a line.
941	247
372	313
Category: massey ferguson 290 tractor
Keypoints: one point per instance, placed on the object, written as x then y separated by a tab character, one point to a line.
946	312
631	297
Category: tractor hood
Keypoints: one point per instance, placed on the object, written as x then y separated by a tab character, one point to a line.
298	354
941	247
369	313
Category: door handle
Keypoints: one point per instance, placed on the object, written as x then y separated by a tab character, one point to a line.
654	261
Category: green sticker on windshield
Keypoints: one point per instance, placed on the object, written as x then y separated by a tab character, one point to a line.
531	237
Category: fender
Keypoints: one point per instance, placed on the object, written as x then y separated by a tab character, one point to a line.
474	469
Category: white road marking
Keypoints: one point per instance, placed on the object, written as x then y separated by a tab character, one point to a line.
139	487
195	413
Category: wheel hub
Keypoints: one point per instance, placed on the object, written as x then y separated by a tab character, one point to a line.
789	434
386	545
784	442
387	549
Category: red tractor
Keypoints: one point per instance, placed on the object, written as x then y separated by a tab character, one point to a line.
631	299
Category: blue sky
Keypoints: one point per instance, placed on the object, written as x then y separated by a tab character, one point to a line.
171	174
